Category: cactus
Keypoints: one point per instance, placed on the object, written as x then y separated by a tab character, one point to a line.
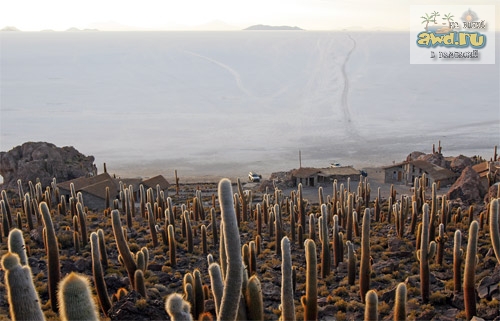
495	227
325	244
310	299
53	265
457	261
24	303
349	222
75	298
171	245
97	272
364	270
199	301
440	240
287	305
188	231
16	245
151	222
5	219
217	285
102	248
400	303
139	283
122	245
469	272
371	306
351	263
83	223
233	280
177	308
252	268
425	252
253	299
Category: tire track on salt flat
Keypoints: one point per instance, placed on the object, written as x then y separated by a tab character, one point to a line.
345	91
233	72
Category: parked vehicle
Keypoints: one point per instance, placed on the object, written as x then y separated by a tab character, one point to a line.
254	177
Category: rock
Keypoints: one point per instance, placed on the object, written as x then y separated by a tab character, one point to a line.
467	187
414	156
128	309
43	161
459	163
435	159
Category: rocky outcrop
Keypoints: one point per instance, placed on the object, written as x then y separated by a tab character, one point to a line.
467	187
43	161
435	159
459	163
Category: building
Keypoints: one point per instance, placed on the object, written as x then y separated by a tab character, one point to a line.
404	173
309	176
488	167
93	188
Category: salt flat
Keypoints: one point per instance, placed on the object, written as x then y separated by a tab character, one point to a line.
229	102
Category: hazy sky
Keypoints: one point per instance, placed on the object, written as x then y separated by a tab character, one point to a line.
31	15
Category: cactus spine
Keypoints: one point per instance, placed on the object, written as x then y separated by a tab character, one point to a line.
364	270
24	303
75	299
495	226
287	305
309	301
52	254
234	278
469	272
424	253
400	303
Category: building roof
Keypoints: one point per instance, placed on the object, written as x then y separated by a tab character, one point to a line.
156	180
95	185
395	165
305	172
435	171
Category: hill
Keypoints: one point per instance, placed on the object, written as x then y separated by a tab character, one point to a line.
267	27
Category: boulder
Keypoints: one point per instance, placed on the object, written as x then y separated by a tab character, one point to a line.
43	161
467	187
435	159
459	163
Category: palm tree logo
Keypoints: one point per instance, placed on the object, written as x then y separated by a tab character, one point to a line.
448	17
427	18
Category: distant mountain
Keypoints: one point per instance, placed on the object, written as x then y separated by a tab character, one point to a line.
76	29
266	27
9	28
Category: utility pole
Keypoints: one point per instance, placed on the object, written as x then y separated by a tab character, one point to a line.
300	159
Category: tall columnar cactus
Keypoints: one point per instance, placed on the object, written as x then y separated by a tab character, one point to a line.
457	261
233	279
82	218
54	271
253	299
351	263
189	232
139	283
97	272
425	252
371	306
325	244
287	305
199	300
440	240
171	245
75	299
123	249
336	242
400	303
24	303
243	200
28	210
310	300
16	245
364	270
177	308
349	222
5	219
470	272
495	227
217	284
301	207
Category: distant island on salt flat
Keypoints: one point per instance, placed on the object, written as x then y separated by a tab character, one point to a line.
267	27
